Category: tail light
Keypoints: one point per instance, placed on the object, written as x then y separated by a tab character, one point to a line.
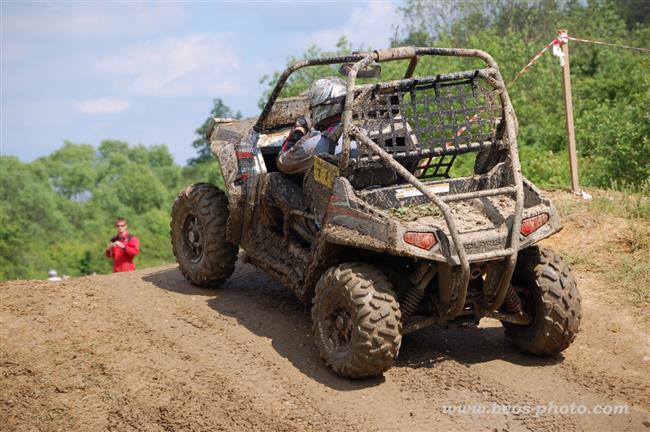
423	240
531	224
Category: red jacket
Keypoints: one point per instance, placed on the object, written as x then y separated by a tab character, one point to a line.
123	257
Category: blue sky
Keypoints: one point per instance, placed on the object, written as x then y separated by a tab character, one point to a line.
146	72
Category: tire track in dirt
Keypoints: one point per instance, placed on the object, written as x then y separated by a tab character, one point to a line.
147	351
289	335
475	384
450	377
131	388
484	360
241	358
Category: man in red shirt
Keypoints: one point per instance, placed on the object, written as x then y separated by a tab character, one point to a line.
122	248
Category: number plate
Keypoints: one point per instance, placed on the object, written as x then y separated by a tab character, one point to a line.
325	172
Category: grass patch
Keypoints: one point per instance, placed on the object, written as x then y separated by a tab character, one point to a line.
633	201
632	269
624	200
624	254
574	259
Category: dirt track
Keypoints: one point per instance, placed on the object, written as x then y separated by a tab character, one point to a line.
146	351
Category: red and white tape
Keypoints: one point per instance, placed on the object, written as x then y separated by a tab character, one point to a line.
564	38
608	44
556	44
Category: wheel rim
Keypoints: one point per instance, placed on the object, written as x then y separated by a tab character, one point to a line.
339	328
192	240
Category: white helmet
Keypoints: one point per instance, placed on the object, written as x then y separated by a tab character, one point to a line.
52	273
326	98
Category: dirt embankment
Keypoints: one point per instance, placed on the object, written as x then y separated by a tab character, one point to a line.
147	351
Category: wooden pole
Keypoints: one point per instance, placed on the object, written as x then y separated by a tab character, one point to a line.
568	109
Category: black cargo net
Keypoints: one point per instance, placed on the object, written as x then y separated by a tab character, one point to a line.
431	120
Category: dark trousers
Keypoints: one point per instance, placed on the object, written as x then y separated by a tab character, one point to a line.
283	193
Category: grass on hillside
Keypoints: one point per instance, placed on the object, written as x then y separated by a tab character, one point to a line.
625	259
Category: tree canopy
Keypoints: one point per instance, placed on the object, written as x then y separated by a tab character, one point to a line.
59	211
611	86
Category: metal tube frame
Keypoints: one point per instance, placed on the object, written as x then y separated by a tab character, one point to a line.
509	139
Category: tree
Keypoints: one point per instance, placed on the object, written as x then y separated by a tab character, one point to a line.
634	12
31	220
610	85
201	144
70	170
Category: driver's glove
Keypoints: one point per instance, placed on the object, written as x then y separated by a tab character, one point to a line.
303	123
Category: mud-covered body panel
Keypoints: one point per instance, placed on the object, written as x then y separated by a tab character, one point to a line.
233	143
284	113
484	223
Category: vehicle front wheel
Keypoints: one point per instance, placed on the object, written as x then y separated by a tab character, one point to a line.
356	320
549	294
198	232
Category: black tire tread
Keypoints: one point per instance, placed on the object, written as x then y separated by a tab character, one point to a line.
219	256
558	303
377	339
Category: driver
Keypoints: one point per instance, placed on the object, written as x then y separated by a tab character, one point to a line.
326	100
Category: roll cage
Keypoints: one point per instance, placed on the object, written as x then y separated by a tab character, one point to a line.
465	120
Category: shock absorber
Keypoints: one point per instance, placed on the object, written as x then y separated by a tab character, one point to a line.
512	302
418	285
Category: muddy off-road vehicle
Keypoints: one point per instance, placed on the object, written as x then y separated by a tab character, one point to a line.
388	241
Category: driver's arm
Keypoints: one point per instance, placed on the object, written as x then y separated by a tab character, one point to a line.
298	159
299	130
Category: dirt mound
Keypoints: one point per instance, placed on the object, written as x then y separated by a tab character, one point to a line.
147	351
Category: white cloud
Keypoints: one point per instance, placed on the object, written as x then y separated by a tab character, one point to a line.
102	106
370	24
91	19
195	64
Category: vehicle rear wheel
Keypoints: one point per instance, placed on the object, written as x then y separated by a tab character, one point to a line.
549	294
356	320
198	232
